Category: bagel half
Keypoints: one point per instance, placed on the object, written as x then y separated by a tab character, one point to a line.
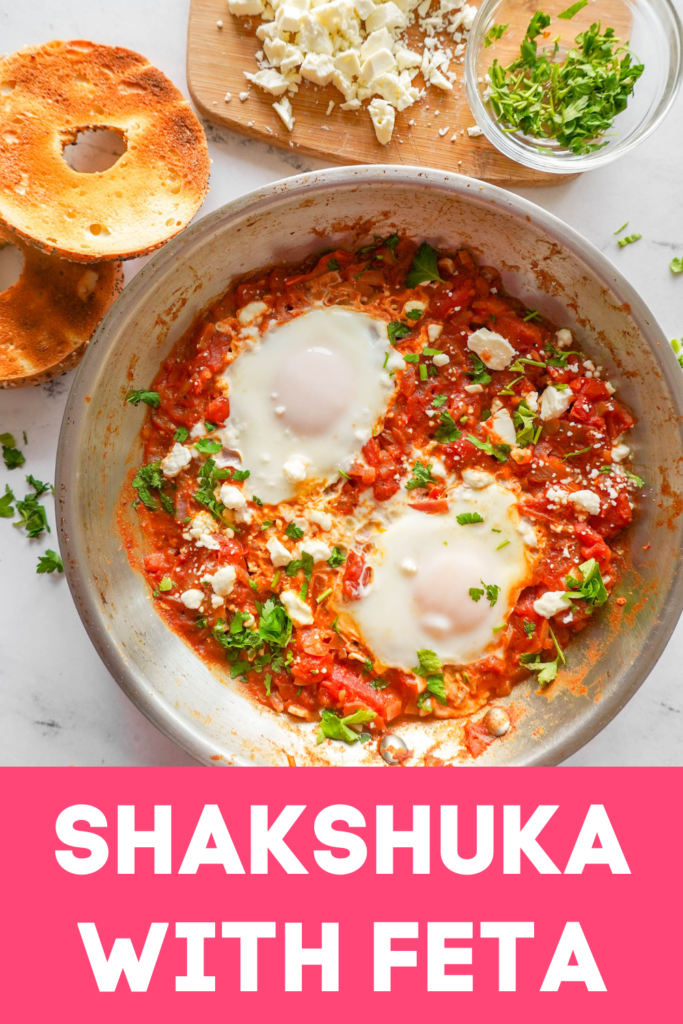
48	316
47	95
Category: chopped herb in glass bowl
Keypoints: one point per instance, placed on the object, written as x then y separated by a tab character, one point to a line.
568	88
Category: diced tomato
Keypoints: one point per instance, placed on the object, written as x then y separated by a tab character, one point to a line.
218	410
366	474
347	687
309	669
432	506
591	388
356	575
447	297
386	484
156	562
617	420
592	544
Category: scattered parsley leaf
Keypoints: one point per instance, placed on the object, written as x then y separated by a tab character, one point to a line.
207	447
210	427
181	434
422	476
11	454
676	265
333	264
150	398
638	480
294	532
498	451
479	373
166	585
50	562
240	474
447	431
33	516
492	592
476	594
412	357
439	400
38	486
466	518
396	330
6	510
529	627
431	669
581	451
337	558
619	230
332	727
496	31
503	545
424	267
590	587
547	670
150	478
414	314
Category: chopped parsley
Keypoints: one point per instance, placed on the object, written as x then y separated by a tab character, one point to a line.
39	487
466	518
150	478
590	587
580	451
503	545
439	400
495	32
150	398
628	239
533	314
396	330
529	627
574	9
431	669
637	480
208	477
619	230
181	434
210	427
294	532
50	562
422	476
424	267
478	372
412	357
325	593
33	517
498	451
337	558
490	589
447	431
333	264
6	509
167	584
11	454
333	727
305	564
207	447
574	102
414	314
476	594
547	670
676	265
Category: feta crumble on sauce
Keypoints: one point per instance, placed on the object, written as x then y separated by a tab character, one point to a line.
452	522
361	47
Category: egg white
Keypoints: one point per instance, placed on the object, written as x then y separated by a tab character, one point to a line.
305	398
423	567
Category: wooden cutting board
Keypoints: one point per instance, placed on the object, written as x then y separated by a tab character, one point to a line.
218	57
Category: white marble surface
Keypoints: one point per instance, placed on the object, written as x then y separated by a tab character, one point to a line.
59	705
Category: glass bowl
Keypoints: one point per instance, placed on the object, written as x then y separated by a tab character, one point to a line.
651	27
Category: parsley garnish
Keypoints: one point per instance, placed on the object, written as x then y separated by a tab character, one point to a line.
396	330
304	563
10	453
207	447
574	102
628	239
210	427
50	562
424	267
337	558
6	510
294	532
529	627
490	589
580	451
495	32
431	669
208	476
333	264
478	374
33	516
447	431
181	434
498	451
422	476
638	480
475	593
619	230
39	487
547	670
676	265
412	357
439	400
332	727
150	478
523	419
465	518
574	9
414	314
150	398
590	587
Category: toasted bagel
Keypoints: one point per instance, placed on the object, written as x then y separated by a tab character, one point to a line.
48	94
48	316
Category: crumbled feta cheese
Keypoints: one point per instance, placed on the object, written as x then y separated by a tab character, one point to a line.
244	8
503	426
414	305
475	131
298	610
443	359
217	601
409	566
177	459
269	80
527	532
279	555
586	501
477	479
192	598
620	452
223	580
208	541
317	549
252	311
321	519
294	470
564	338
434	331
557	495
232	497
493	349
473	389
554	402
532	400
383	118
551	603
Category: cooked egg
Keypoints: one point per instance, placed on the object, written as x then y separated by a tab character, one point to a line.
423	568
305	398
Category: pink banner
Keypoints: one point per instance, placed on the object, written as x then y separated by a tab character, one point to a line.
129	894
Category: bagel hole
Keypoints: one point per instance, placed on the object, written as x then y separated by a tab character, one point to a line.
11	265
95	149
